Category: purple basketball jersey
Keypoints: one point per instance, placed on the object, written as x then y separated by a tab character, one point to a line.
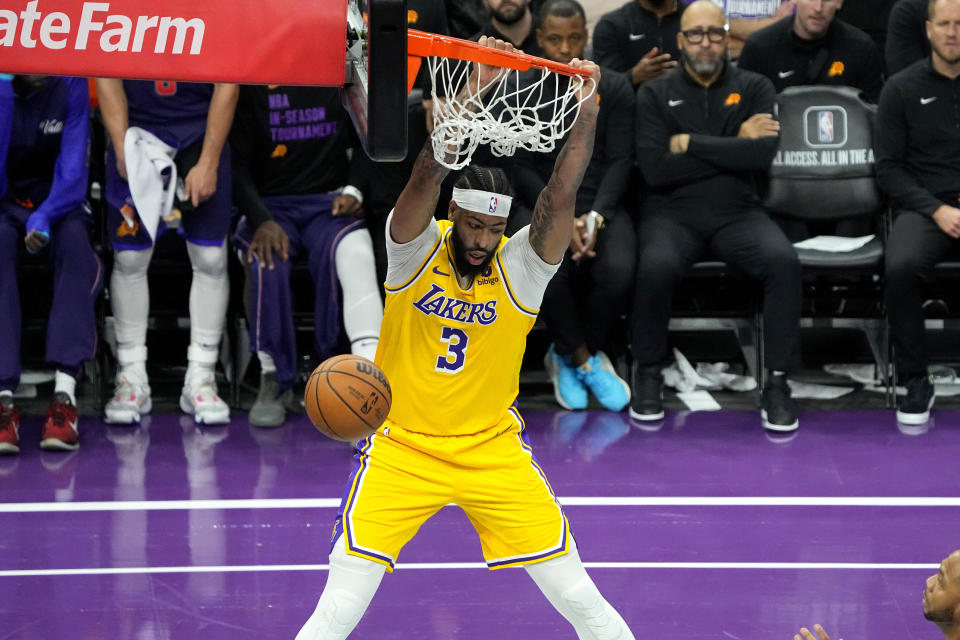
174	111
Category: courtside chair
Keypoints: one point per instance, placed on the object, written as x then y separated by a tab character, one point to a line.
823	177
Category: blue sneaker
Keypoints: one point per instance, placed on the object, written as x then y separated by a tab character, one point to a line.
601	378
567	388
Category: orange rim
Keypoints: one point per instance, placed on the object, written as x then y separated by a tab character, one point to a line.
421	44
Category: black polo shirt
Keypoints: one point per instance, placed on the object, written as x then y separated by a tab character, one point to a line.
719	170
845	56
918	139
906	35
623	36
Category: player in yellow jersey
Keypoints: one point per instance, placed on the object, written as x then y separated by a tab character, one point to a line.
461	299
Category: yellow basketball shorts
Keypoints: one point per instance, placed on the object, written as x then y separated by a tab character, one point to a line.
401	478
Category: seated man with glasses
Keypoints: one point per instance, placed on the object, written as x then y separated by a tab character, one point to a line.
707	133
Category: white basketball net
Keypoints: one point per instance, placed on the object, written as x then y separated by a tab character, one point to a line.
529	110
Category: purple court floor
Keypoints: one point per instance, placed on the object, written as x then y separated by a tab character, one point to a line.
703	528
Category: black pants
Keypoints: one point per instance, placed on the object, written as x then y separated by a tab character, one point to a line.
669	242
915	245
583	299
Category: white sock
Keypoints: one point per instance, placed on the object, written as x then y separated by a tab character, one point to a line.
362	306
267	365
65	383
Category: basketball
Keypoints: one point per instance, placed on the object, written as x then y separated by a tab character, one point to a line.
347	397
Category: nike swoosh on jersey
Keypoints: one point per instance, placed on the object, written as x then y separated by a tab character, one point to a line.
674	103
437	271
927	100
785	74
637	36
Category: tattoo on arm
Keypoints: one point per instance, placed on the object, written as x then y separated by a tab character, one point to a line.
428	167
542	220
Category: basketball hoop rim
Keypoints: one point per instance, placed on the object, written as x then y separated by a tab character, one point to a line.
421	44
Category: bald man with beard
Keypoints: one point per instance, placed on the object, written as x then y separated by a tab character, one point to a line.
705	132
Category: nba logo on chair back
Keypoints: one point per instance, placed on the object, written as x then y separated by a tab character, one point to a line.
825	119
825	127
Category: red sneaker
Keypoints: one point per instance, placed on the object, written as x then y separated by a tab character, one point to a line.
9	428
60	430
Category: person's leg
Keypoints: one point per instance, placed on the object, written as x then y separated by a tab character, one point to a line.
362	304
11	237
665	251
609	284
502	488
270	313
346	293
129	298
381	510
205	230
351	584
915	245
71	331
561	314
755	244
565	583
77	282
209	294
611	279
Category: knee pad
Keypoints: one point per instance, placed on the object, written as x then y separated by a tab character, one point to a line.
584	601
337	613
131	261
211	261
356	245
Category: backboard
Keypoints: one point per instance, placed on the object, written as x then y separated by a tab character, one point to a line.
375	83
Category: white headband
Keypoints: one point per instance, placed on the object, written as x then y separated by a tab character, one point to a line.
491	204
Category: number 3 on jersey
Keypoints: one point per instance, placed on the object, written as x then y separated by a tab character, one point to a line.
452	361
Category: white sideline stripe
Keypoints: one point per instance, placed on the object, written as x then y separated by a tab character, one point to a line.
574	501
428	566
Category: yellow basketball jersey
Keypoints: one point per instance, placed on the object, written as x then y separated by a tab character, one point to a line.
452	355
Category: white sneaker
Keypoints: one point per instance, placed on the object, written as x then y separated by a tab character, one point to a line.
130	401
199	398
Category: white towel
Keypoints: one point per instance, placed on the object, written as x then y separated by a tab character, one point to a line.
833	244
152	176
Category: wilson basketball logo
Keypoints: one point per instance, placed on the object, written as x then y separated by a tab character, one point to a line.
369	370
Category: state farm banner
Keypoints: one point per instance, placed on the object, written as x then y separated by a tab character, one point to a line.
243	41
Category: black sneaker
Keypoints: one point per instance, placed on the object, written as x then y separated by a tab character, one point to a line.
776	407
915	408
646	403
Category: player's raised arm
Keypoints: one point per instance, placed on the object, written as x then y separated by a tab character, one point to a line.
553	214
417	202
